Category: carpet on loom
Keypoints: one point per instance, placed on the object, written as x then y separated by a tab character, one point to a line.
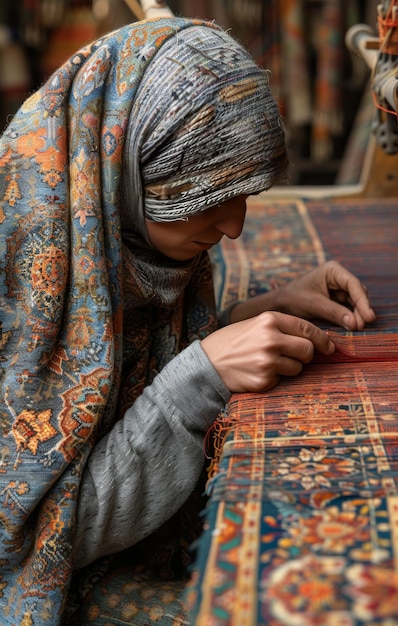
301	524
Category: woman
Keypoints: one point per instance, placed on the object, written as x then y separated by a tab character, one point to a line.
116	177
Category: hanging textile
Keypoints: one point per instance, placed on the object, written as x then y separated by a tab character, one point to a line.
295	68
328	98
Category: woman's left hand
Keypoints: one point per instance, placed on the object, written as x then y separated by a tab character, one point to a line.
328	292
332	293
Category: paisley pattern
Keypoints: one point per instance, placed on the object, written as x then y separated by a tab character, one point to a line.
74	354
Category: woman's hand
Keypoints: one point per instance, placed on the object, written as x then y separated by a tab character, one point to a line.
328	292
332	293
251	355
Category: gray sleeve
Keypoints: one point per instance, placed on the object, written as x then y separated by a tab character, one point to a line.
142	472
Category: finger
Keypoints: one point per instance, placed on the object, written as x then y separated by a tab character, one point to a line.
271	383
289	367
341	310
297	327
339	314
360	323
358	295
350	317
356	292
297	349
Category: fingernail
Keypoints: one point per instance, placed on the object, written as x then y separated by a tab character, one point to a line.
346	322
331	347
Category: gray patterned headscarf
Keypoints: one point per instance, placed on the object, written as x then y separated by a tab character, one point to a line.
204	127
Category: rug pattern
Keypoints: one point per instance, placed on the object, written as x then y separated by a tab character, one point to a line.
301	524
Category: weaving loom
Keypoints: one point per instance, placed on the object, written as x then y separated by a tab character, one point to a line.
301	527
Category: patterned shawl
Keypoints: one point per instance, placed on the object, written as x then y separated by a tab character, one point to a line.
81	332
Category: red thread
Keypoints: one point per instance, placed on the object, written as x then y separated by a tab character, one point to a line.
381	108
380	348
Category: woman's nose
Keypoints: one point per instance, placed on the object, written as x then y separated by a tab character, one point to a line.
231	223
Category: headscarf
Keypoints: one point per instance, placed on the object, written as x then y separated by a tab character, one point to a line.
90	312
209	128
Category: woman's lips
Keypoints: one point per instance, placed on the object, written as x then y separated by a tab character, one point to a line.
206	244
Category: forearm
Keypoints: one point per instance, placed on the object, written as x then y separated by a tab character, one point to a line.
268	301
328	292
140	474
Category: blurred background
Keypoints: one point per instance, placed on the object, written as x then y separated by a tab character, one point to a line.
322	89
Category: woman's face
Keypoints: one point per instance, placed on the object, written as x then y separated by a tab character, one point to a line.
183	239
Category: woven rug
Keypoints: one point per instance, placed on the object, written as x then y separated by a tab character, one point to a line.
301	524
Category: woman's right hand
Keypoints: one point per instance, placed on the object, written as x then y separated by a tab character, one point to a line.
251	355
